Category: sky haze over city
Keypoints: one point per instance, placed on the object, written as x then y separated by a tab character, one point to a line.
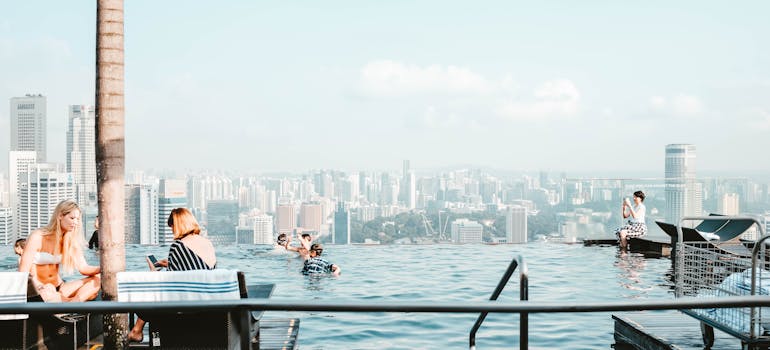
278	86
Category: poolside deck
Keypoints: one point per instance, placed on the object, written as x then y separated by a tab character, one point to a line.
665	330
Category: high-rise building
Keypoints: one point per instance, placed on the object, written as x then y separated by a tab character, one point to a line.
286	219
311	217
142	214
19	162
683	192
411	191
28	125
6	226
171	195
516	224
81	152
729	204
466	231
41	188
222	221
341	225
263	230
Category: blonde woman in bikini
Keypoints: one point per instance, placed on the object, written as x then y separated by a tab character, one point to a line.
60	245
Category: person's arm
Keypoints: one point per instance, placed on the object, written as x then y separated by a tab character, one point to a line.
85	269
632	213
623	210
336	270
305	244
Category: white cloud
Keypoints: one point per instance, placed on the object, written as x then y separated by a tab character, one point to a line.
760	119
554	98
681	105
390	78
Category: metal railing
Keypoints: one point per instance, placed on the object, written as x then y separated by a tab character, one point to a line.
515	307
523	296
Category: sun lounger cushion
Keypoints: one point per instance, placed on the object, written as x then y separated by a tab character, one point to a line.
13	289
218	284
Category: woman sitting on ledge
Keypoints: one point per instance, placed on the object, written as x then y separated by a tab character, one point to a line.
60	243
636	227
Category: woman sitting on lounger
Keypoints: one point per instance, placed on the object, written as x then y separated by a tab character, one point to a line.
190	251
60	244
635	227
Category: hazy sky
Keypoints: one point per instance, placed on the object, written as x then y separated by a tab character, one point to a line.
274	85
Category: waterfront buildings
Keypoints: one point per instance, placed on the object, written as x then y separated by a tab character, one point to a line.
683	192
6	226
311	217
222	221
466	231
516	224
19	162
28	125
286	219
81	152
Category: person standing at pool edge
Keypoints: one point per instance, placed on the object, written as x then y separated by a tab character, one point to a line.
635	227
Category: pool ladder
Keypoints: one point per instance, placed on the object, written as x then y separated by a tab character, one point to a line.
517	261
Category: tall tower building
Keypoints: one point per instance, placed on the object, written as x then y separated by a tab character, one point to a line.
286	219
222	221
263	230
28	125
81	152
516	224
41	188
19	162
171	194
142	214
311	217
683	193
411	191
341	225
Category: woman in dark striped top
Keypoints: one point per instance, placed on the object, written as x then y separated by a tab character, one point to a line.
190	251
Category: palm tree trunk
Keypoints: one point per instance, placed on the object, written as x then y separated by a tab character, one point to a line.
110	157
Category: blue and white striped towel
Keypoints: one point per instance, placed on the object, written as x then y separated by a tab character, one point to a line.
13	289
218	284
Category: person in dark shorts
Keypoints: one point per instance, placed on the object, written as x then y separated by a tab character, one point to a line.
317	265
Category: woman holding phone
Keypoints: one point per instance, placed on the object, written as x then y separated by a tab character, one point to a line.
190	251
635	227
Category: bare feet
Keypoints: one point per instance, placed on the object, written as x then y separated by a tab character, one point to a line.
135	336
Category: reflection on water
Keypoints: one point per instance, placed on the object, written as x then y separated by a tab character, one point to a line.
444	273
630	267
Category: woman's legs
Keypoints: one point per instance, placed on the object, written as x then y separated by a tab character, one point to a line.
623	239
81	290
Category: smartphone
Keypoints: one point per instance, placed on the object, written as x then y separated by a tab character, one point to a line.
153	263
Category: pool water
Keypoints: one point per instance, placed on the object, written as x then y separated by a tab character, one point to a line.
442	273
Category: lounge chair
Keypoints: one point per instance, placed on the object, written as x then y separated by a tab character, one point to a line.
193	330
13	289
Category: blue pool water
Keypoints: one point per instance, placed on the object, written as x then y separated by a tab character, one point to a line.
445	273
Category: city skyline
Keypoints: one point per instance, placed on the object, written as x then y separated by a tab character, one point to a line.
521	88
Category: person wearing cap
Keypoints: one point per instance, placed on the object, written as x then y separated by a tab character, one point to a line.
317	265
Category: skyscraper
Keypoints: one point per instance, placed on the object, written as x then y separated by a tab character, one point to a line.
81	152
6	226
683	193
729	204
341	225
142	214
19	162
286	219
41	188
311	217
28	125
222	221
516	224
171	194
263	230
466	231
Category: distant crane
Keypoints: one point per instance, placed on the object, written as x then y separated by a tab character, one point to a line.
429	226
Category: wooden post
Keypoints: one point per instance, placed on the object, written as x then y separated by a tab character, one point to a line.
110	157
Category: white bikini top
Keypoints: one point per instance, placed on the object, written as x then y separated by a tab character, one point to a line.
43	258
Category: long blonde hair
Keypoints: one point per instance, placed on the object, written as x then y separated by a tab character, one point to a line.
72	244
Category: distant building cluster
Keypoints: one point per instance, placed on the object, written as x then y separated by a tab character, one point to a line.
237	208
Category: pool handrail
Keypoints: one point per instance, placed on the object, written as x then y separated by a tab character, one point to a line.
523	296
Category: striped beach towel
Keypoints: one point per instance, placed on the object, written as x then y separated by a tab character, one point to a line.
193	285
13	289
